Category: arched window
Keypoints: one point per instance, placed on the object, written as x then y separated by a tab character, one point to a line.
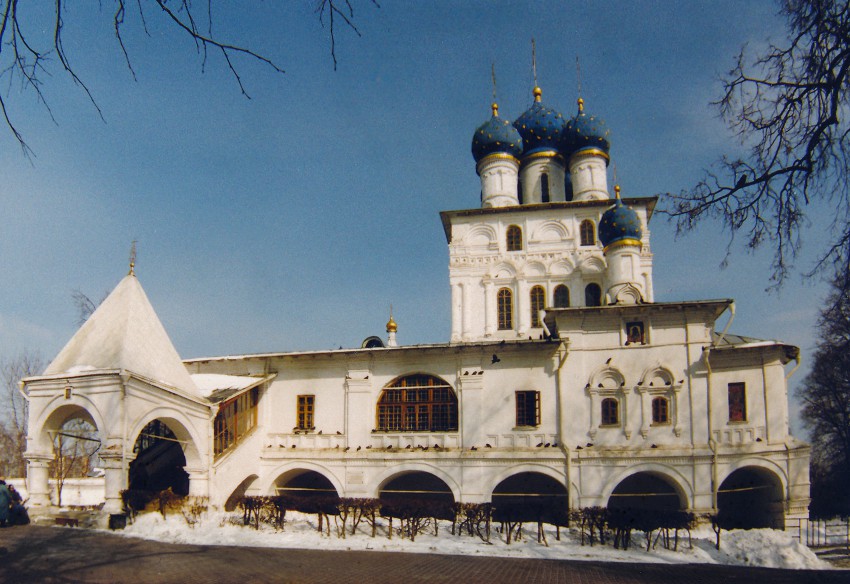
544	187
593	295
660	409
538	301
417	403
514	238
505	305
587	232
610	411
562	296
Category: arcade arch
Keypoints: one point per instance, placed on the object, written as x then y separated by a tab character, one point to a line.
164	449
239	492
415	485
530	496
305	484
648	490
751	497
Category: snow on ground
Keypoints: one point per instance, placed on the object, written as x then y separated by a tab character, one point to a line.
758	547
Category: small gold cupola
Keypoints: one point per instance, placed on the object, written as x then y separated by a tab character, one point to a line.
392	328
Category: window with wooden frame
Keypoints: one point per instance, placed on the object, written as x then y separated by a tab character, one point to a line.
306	408
660	410
505	307
610	411
537	296
587	232
562	296
737	402
417	403
592	295
528	408
514	238
235	418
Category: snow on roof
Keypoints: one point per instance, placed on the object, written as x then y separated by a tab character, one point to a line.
732	342
217	387
522	343
125	333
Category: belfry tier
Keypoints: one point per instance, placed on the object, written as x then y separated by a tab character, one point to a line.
539	241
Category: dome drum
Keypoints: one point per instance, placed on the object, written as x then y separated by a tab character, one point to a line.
591	151
625	242
544	154
495	157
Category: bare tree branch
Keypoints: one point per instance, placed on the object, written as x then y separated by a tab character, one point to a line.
790	107
13	411
332	9
826	403
21	59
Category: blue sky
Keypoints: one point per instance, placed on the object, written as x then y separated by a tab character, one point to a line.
292	220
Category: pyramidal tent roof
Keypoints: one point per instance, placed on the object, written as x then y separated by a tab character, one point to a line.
125	333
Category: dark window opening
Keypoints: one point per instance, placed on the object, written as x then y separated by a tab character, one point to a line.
514	238
593	295
587	232
610	412
528	408
737	402
538	301
562	296
660	410
544	187
505	309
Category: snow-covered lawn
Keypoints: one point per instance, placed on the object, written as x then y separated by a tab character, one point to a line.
758	547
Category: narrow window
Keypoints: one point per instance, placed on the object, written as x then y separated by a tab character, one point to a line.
544	187
587	232
538	300
514	238
635	333
737	402
660	410
562	296
306	407
610	412
528	408
593	295
506	309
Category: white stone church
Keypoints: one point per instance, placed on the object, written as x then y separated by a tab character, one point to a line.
562	378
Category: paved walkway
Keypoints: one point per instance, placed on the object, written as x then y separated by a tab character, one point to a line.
63	555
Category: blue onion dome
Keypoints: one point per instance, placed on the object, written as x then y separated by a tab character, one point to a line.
540	127
584	132
496	136
619	224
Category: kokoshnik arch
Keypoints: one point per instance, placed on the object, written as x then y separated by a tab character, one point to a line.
563	380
